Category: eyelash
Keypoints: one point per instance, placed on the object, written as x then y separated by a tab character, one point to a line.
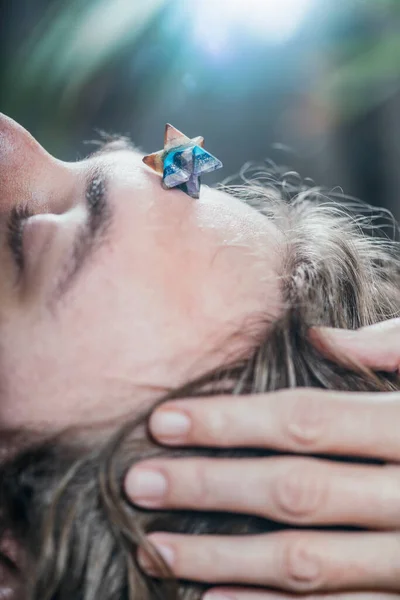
15	226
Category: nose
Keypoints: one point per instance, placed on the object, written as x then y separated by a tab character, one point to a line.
28	174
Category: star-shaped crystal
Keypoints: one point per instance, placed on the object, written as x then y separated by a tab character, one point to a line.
182	161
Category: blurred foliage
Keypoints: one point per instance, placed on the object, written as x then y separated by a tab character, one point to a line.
132	65
70	43
75	40
370	69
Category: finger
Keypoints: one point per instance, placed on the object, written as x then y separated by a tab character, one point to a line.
307	562
257	594
292	490
301	420
376	347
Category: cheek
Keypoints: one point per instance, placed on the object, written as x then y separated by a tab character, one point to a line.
82	366
116	330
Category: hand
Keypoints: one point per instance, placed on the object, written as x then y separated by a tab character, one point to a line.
376	347
295	490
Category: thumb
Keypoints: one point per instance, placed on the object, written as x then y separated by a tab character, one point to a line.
376	347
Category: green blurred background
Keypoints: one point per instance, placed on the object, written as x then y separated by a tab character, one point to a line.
313	84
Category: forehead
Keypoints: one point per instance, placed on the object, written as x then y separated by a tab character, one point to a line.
122	167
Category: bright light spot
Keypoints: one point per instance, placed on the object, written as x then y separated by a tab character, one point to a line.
270	20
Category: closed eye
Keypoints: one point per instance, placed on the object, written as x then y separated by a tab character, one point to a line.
100	215
91	234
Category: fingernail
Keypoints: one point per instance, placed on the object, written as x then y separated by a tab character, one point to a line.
146	487
146	562
169	425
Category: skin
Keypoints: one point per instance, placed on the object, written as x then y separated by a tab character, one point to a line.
324	565
143	315
172	279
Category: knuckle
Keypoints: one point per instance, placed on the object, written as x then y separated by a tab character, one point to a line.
300	491
205	486
305	418
301	568
213	425
199	557
214	561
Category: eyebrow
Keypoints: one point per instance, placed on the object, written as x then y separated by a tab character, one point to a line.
93	234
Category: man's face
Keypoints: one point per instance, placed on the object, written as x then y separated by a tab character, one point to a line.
115	288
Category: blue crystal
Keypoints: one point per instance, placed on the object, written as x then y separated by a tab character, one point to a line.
184	165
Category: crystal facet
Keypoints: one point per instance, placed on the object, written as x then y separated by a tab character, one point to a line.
182	161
